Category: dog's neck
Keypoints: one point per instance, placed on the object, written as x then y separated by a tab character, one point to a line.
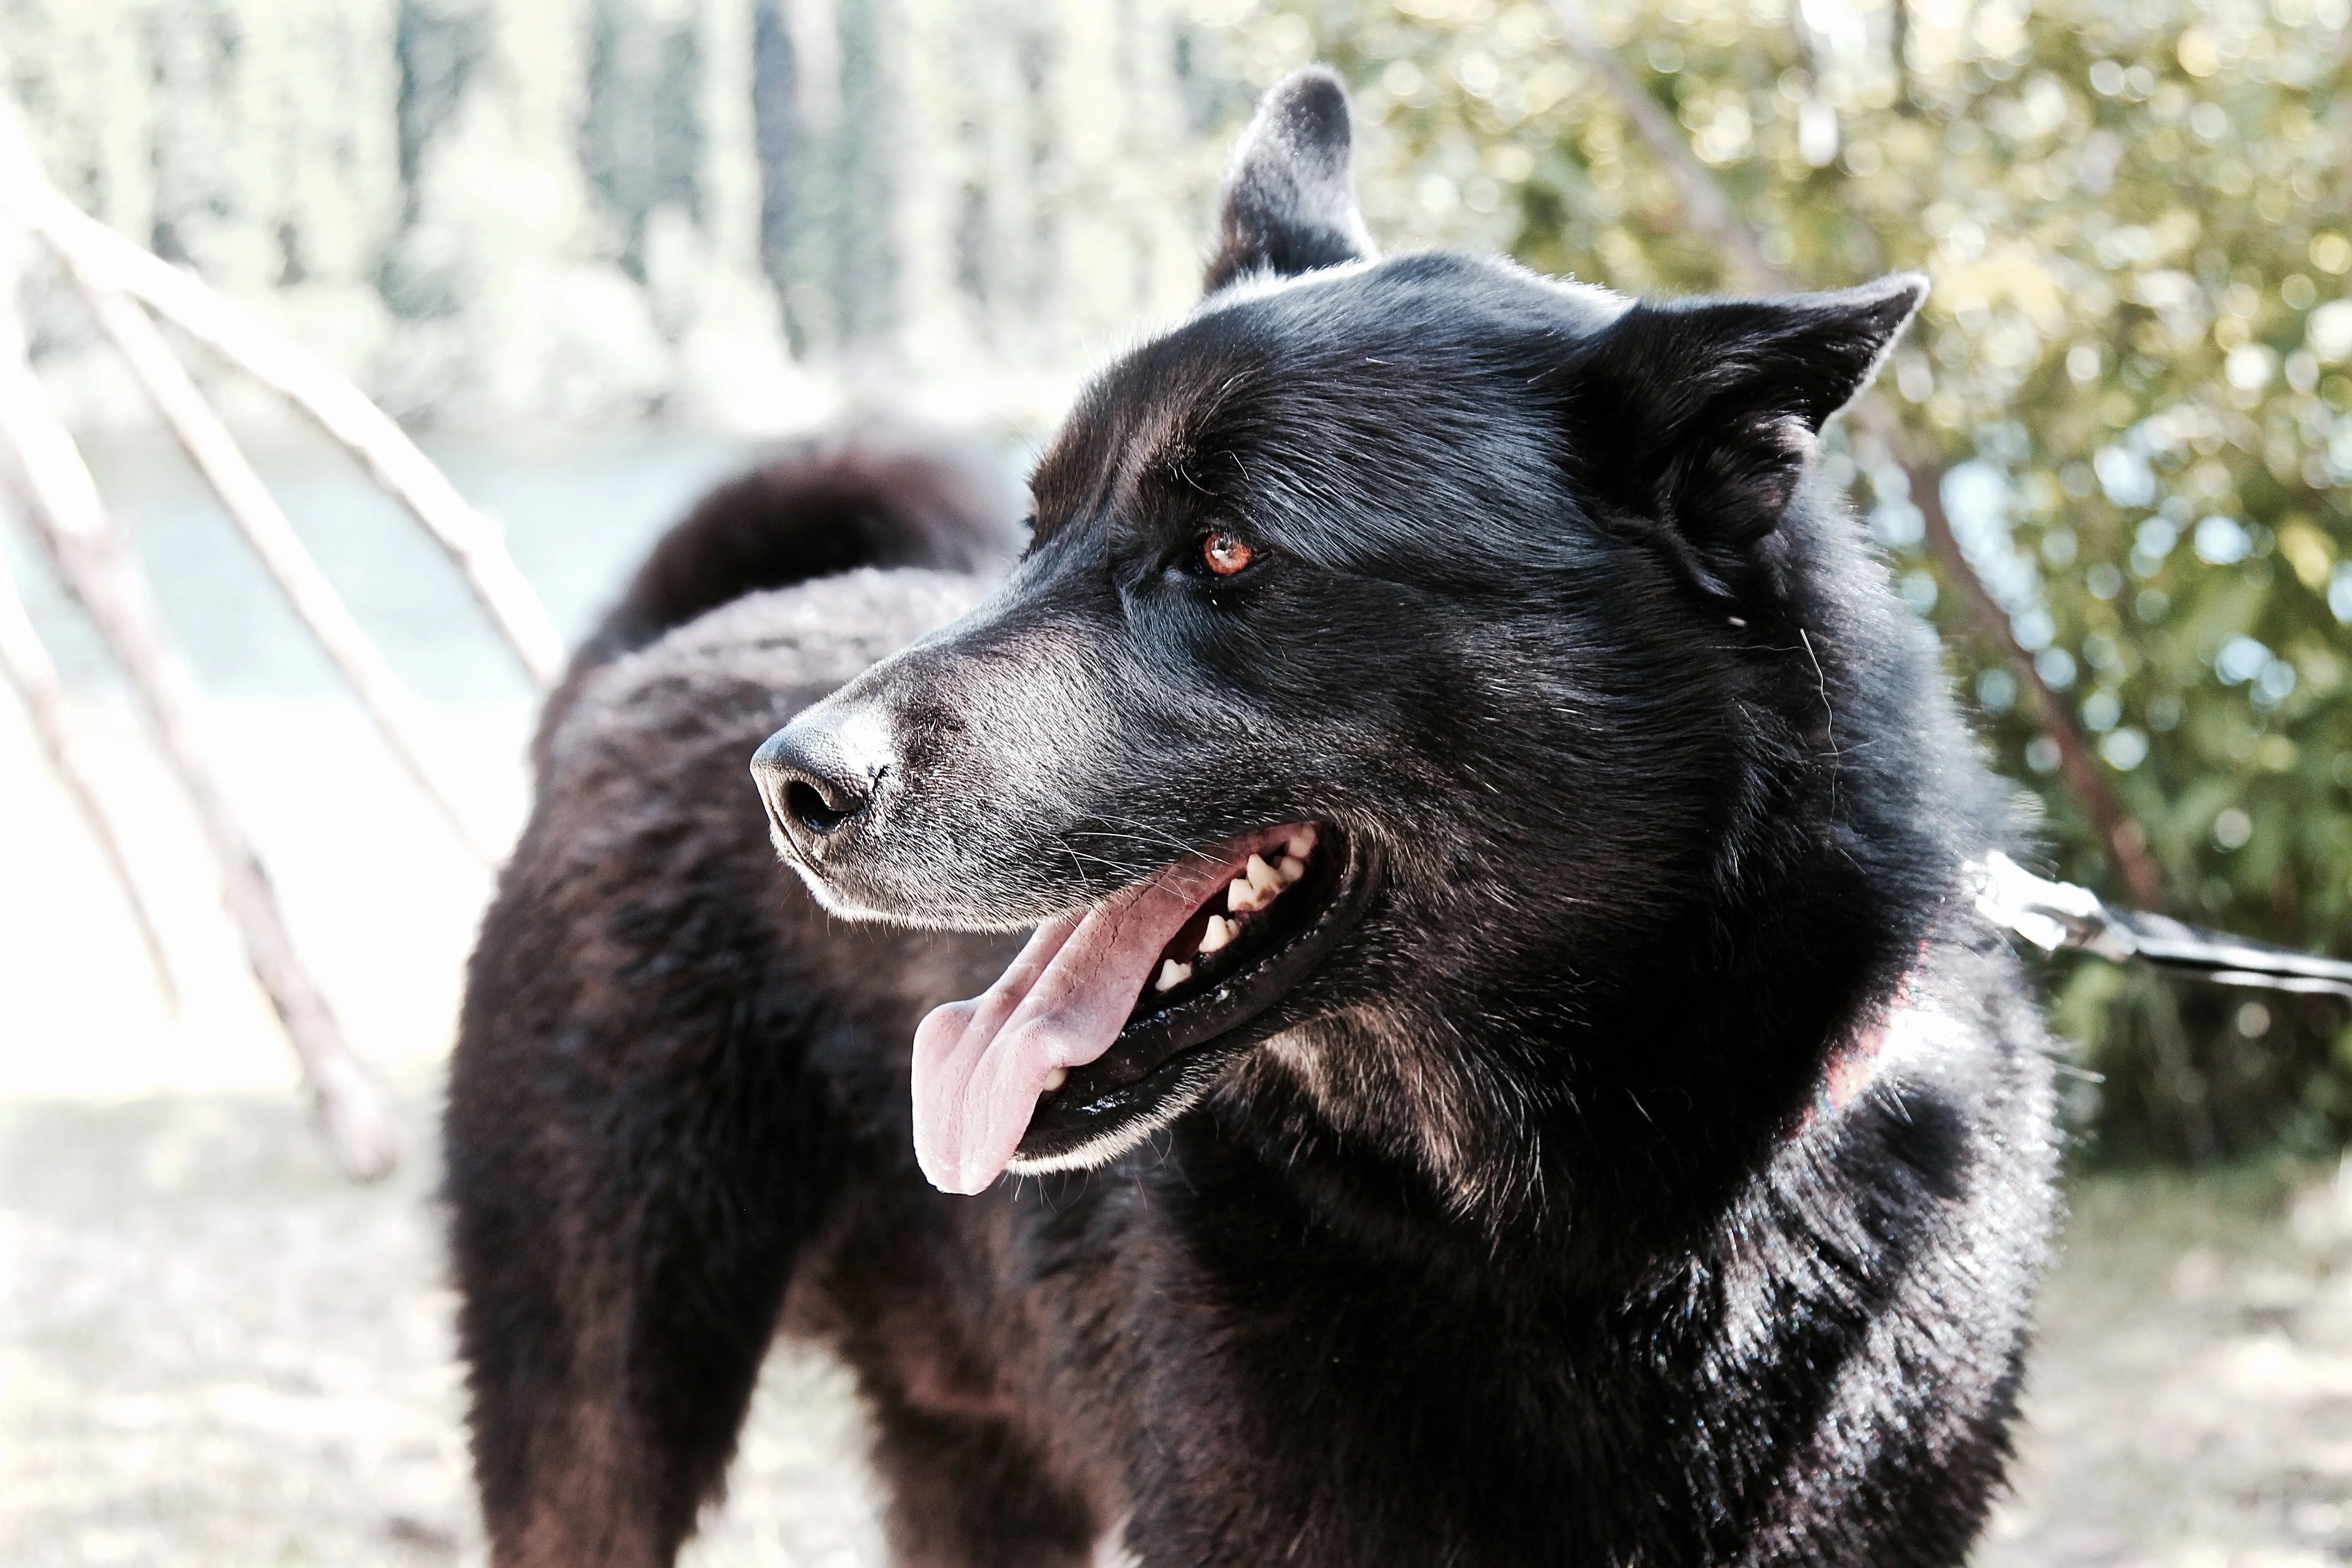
1595	1126
1662	1120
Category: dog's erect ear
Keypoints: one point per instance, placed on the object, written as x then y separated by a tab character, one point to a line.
1702	417
1289	200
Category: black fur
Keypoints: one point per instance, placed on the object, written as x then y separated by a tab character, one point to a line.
1522	1240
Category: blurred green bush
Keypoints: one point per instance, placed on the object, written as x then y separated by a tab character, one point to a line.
2136	366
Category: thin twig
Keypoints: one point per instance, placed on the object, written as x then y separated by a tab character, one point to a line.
91	556
242	338
1705	205
1709	210
398	716
34	676
2117	827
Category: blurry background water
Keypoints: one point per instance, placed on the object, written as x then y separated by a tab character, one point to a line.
598	253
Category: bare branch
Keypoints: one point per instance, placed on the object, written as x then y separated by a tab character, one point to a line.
34	676
2117	827
1705	205
382	447
398	716
91	556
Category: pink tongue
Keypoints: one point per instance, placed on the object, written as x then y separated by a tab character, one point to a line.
981	1064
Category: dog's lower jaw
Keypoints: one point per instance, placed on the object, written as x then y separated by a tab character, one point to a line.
1227	1073
1122	1138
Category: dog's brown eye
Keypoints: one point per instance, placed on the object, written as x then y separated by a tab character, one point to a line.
1223	553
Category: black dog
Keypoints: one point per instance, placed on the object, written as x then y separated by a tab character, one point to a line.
1494	844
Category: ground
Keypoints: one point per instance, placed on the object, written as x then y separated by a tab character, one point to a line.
2189	1401
213	1352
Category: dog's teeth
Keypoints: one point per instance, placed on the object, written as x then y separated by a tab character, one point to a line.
1171	974
1264	878
1302	843
1220	933
1056	1078
1241	896
1292	868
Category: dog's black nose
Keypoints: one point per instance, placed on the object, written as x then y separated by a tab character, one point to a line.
814	782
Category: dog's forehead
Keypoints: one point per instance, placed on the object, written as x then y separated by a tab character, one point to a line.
1144	412
1267	346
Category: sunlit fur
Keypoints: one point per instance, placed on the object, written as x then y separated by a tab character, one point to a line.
1521	1240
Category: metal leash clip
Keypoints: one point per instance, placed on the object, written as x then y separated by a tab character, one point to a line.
2054	915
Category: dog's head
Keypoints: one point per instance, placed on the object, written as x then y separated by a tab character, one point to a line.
1376	660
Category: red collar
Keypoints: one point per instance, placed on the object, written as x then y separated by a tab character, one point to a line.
1898	1027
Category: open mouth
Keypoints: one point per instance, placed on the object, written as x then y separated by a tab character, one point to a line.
1115	1018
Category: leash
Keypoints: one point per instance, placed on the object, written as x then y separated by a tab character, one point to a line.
2055	915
